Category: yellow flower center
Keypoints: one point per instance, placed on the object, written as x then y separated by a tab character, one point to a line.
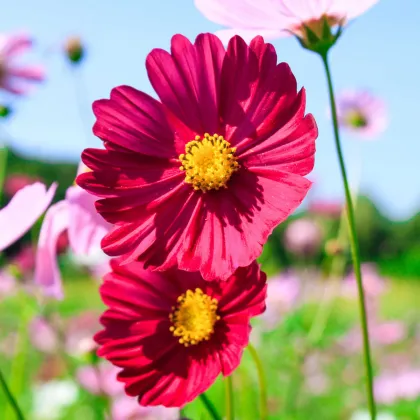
209	162
194	317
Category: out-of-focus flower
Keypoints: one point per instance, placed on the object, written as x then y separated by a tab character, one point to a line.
380	333
244	144
16	182
15	78
303	237
23	210
74	49
331	209
365	415
7	283
79	333
42	335
183	331
51	398
373	283
393	386
85	228
282	292
275	18
24	260
362	113
102	379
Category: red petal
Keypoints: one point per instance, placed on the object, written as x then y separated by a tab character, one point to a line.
188	80
135	121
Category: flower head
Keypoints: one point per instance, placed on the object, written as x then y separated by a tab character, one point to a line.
200	179
14	78
173	333
362	113
309	20
74	49
23	210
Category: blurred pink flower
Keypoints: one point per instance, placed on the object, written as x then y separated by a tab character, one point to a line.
86	229
362	113
373	283
391	387
42	335
275	18
380	334
24	260
7	283
303	237
23	210
326	208
80	331
282	293
102	379
15	78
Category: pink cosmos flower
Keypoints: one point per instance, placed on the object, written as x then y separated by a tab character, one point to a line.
42	335
85	231
303	237
201	178
362	113
102	379
275	18
331	209
282	293
16	182
23	210
15	78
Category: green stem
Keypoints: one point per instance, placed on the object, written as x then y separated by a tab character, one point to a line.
229	411
4	151
12	400
353	244
209	406
262	382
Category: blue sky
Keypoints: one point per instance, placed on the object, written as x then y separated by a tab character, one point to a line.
379	50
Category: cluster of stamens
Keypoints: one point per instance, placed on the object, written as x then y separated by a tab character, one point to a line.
194	317
209	162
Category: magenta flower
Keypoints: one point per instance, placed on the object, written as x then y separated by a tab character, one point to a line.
362	113
85	230
23	210
282	293
275	18
303	237
16	78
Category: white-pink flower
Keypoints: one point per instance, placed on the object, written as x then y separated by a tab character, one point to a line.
86	229
15	78
275	18
362	112
303	236
393	386
23	210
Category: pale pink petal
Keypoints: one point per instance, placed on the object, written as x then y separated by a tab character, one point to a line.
36	73
23	210
86	226
47	274
14	44
248	34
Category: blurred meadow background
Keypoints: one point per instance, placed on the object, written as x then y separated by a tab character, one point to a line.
309	337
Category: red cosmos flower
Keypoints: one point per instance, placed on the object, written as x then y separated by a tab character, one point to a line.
173	333
201	179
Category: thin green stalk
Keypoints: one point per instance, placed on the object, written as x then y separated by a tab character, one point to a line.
353	244
262	382
4	151
229	410
209	407
10	397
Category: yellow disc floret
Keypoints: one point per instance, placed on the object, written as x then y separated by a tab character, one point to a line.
209	162
194	317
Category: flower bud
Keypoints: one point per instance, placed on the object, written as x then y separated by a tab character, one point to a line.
74	49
